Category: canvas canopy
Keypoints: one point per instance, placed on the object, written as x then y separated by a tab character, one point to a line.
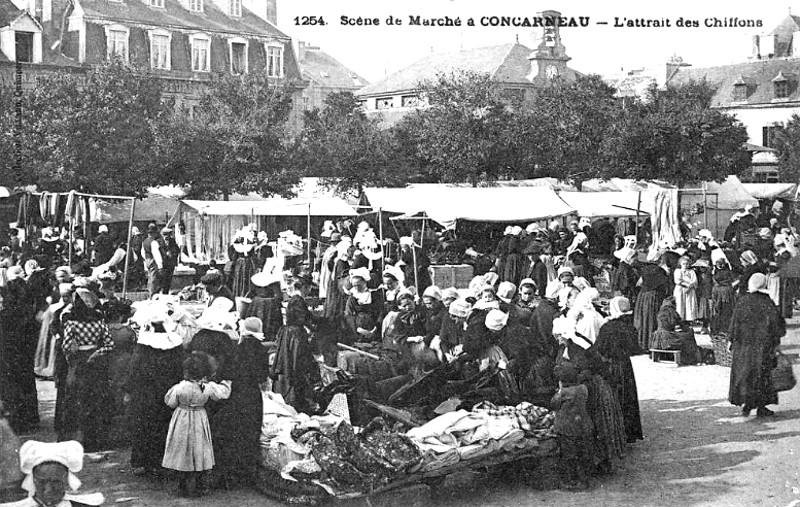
771	190
608	204
322	206
154	208
445	204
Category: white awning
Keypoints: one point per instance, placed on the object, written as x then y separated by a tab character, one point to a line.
319	207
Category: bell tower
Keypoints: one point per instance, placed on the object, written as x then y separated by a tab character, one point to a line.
549	59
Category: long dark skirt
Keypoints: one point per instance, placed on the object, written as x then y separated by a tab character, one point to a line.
89	400
18	341
243	269
609	423
644	316
235	432
512	269
677	340
623	381
723	299
153	373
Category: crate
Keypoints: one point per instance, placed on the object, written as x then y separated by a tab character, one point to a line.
134	295
450	275
657	355
722	356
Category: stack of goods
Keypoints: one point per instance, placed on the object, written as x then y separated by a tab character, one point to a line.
486	429
328	452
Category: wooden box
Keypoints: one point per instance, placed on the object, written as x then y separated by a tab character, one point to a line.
449	275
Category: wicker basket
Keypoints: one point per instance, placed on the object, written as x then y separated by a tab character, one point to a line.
722	356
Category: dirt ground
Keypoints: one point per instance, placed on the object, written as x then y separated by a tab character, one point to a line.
698	451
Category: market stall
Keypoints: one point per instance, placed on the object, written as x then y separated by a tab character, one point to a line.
210	225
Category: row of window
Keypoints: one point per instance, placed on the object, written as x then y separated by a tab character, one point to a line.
161	44
781	88
234	6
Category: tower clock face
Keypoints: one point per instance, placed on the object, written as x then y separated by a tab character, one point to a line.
551	71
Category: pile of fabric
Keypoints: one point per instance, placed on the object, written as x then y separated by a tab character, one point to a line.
466	435
328	452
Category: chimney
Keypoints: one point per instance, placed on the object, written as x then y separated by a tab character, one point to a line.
795	51
301	50
673	64
44	10
264	9
756	47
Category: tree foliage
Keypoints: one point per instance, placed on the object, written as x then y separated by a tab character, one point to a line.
234	140
346	148
674	135
787	142
94	132
463	135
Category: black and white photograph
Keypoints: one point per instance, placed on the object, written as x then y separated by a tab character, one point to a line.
367	253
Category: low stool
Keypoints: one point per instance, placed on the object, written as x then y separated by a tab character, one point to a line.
657	355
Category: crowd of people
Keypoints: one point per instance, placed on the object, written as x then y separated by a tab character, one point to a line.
186	389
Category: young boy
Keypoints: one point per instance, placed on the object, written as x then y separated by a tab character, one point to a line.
573	427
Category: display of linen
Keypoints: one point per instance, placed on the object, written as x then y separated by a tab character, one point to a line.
327	451
465	435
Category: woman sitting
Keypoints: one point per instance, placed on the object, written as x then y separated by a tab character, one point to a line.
674	334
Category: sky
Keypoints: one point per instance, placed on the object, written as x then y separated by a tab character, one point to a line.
376	51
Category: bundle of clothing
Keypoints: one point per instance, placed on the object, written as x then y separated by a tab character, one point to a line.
466	435
330	453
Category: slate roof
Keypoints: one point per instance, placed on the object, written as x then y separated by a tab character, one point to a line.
324	70
507	63
212	19
757	75
785	33
8	12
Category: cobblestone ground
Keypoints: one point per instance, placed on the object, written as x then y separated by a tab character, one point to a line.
697	452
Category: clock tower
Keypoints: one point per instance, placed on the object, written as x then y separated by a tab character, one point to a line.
549	59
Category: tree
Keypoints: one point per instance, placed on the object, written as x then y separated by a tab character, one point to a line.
234	140
787	142
463	136
346	148
562	131
676	136
93	132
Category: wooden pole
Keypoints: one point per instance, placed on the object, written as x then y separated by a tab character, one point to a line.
383	250
638	206
128	251
308	229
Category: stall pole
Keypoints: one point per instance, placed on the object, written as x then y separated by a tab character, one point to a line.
383	250
416	277
128	251
638	206
71	225
308	229
705	207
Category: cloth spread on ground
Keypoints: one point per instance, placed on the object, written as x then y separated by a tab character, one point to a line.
465	435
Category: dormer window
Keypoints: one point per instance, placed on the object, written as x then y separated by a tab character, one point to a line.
23	42
196	5
236	8
274	61
157	3
740	90
781	86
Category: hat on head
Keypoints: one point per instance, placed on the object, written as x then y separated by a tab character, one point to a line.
533	248
102	228
705	233
406	241
516	230
166	230
489	287
15	272
450	293
152	228
433	292
135	230
262	236
619	306
460	308
48	234
491	278
252	326
335	237
625	254
565	270
506	291
33	453
266	278
496	320
749	257
527	281
507	231
531	228
765	233
360	273
563	326
394	272
757	283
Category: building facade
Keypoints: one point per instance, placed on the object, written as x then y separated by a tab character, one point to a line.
763	93
517	68
324	75
183	42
